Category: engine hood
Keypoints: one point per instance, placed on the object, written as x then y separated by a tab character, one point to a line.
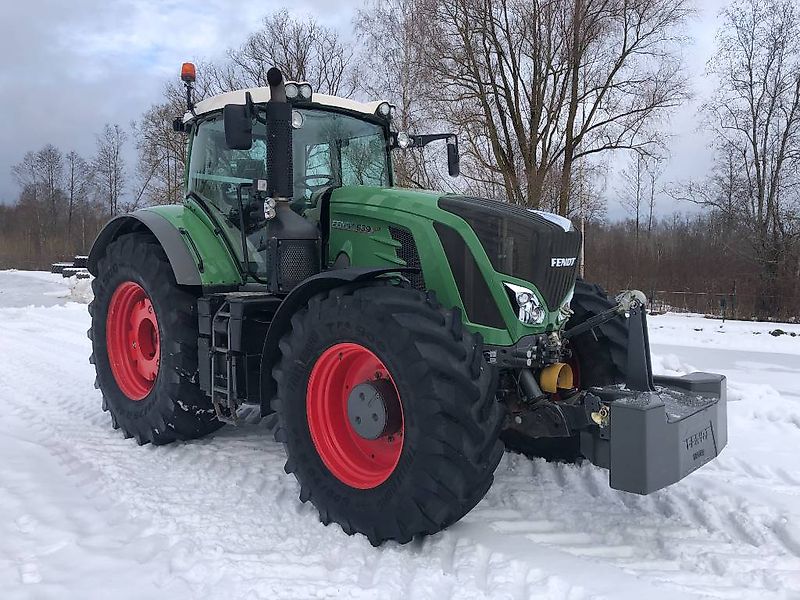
415	200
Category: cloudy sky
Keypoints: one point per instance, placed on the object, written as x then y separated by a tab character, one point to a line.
66	68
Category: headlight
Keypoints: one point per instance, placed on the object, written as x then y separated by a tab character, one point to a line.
297	119
291	90
305	91
403	140
270	209
384	110
529	309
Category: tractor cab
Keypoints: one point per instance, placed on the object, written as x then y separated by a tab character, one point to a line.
332	146
258	151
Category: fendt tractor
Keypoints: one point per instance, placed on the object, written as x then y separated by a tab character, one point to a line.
400	338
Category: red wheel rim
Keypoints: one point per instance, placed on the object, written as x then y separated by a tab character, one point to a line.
354	460
132	340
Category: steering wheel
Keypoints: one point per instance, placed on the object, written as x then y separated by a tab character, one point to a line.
324	177
301	203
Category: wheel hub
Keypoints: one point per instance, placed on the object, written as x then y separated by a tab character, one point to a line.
373	409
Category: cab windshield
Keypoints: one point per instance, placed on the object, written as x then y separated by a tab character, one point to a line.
331	148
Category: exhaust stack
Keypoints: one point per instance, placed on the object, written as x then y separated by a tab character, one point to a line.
279	139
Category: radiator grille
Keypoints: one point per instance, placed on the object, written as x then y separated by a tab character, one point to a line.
478	302
522	243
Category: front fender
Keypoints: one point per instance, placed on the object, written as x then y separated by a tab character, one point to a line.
196	254
297	298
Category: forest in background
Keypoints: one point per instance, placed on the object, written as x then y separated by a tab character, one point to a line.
544	96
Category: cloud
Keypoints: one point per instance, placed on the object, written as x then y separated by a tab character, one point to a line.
66	68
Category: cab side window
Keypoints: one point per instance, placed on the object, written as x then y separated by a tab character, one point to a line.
362	162
215	170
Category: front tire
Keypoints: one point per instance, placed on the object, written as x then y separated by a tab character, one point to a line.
600	355
434	452
144	345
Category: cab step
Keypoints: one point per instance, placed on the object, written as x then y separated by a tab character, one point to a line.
232	329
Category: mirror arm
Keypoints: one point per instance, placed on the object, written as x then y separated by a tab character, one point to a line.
190	97
422	140
419	141
252	109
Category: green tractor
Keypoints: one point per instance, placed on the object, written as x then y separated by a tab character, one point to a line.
402	338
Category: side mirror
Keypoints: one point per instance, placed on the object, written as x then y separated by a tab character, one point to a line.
238	126
453	158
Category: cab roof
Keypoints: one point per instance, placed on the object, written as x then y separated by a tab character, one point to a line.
261	95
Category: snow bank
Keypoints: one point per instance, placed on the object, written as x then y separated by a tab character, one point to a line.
38	288
697	331
80	290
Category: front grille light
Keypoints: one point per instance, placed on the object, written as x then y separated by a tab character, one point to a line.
529	309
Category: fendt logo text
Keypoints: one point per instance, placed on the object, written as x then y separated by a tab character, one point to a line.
562	262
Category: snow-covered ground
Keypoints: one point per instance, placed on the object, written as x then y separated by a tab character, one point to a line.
87	514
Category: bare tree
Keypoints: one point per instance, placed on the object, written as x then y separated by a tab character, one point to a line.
302	48
51	168
755	117
536	85
109	166
654	169
633	192
43	171
162	155
385	31
78	181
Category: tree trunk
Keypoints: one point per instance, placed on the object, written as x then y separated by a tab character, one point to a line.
569	140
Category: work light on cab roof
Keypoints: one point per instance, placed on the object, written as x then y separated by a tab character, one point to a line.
395	334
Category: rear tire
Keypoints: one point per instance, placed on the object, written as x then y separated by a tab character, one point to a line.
165	403
450	417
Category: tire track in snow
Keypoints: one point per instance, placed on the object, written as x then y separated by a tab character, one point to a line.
680	537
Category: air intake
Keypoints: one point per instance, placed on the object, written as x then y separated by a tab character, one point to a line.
408	253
